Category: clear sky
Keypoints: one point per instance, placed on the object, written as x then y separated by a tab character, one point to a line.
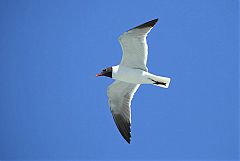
53	107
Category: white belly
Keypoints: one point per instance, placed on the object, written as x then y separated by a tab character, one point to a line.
138	76
130	75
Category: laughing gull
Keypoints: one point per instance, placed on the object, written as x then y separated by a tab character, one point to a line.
129	75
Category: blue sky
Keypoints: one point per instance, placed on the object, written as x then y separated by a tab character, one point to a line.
53	107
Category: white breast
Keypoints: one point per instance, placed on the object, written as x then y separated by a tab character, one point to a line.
130	75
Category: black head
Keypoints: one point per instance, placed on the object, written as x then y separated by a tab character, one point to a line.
106	72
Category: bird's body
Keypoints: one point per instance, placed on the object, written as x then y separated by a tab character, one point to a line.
137	76
129	75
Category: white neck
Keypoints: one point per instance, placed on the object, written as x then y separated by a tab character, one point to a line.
115	68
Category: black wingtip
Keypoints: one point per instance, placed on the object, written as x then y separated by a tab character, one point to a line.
153	22
123	127
128	139
147	24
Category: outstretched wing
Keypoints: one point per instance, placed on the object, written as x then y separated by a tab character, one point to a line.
120	95
134	46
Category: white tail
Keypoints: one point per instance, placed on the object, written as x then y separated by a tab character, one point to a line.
160	81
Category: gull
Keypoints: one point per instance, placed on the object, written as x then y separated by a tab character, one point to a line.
129	75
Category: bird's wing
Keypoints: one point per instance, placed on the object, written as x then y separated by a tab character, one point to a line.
134	46
120	95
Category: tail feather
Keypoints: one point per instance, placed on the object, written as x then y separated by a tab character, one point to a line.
160	81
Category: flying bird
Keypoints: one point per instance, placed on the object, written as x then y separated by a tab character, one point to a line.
129	75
